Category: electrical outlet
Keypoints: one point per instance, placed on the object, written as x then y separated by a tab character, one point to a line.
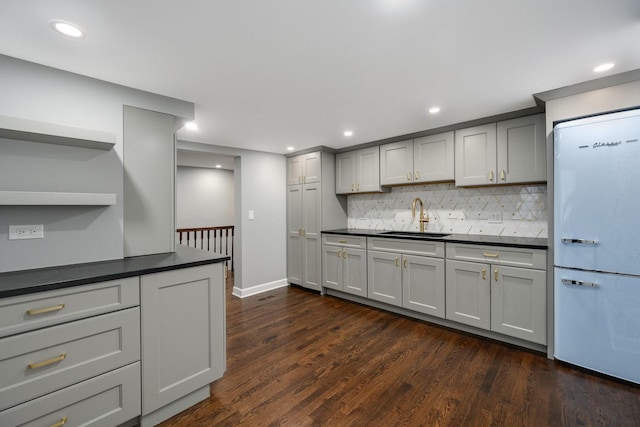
17	232
495	217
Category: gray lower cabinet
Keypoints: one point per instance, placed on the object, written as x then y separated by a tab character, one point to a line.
344	264
498	289
183	338
71	355
400	274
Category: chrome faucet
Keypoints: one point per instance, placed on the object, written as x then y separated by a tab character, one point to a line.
423	219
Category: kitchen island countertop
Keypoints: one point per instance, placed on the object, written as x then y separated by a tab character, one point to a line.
45	279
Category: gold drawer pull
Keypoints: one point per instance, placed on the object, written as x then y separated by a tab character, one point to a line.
342	241
490	255
35	311
484	274
48	361
60	423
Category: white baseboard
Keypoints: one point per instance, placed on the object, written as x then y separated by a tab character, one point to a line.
258	289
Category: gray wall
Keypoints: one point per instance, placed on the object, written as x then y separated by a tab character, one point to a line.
72	234
204	197
260	185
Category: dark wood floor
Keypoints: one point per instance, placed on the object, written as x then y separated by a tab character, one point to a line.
296	358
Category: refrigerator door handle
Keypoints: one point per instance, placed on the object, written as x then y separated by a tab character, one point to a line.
579	283
579	241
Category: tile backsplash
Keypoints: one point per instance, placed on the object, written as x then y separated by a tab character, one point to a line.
517	210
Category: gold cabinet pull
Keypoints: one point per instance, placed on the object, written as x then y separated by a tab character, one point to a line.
35	311
408	176
406	263
416	175
353	187
48	361
484	274
358	187
490	255
491	176
344	253
397	262
495	275
503	175
339	253
60	423
342	241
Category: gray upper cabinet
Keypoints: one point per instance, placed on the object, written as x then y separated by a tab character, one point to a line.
433	158
358	171
426	159
508	152
522	150
304	169
396	163
476	155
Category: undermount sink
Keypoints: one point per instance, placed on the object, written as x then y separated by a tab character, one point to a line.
414	234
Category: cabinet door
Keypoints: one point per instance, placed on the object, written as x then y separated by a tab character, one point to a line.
423	284
332	267
294	234
354	271
433	158
346	172
384	277
183	333
518	303
312	246
368	167
396	163
294	170
311	168
522	150
475	154
468	293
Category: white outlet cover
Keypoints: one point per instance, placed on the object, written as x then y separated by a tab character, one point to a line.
20	232
251	215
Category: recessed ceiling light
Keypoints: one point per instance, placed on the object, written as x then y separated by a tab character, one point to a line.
603	67
434	110
348	133
191	125
218	166
290	148
68	29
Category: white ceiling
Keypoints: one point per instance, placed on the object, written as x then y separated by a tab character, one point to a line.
265	75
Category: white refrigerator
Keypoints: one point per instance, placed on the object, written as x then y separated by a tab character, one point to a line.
597	243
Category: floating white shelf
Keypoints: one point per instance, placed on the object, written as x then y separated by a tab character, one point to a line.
51	133
25	198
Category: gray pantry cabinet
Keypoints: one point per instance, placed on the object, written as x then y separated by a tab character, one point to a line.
358	171
407	273
507	152
344	263
498	289
311	207
426	159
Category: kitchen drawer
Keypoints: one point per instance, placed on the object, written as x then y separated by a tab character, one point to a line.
407	246
90	347
344	240
104	401
498	255
28	312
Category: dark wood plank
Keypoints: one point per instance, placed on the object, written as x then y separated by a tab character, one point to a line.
296	358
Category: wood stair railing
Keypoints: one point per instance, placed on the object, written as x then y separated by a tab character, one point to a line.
216	239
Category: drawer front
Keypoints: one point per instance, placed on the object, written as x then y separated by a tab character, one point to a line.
344	240
28	312
104	401
517	257
39	362
407	246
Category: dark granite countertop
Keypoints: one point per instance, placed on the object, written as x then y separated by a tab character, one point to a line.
474	239
46	279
